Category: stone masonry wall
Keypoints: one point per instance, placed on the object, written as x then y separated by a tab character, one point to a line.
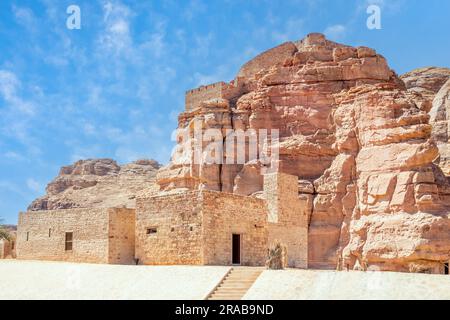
227	214
288	219
218	90
196	228
178	223
41	235
122	225
196	96
46	235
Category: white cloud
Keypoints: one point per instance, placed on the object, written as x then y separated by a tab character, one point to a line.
221	73
9	86
156	44
116	38
291	31
202	45
89	129
194	9
335	32
11	155
33	185
81	151
25	17
11	187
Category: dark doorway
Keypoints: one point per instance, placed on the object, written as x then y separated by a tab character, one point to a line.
446	268
236	249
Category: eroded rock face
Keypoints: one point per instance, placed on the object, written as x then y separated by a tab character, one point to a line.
440	119
358	140
98	183
426	81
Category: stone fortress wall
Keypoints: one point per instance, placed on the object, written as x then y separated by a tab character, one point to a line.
186	228
219	90
176	237
228	214
196	227
121	235
234	89
99	235
288	216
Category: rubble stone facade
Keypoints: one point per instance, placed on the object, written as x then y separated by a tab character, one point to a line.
220	90
197	227
77	235
200	227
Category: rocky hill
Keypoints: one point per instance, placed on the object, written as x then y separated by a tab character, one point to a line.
98	183
358	137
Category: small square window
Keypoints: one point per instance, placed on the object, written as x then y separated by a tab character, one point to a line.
152	230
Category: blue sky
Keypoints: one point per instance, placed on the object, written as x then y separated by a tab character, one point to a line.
114	88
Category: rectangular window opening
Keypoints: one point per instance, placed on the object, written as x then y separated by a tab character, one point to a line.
28	236
152	230
69	241
446	268
49	232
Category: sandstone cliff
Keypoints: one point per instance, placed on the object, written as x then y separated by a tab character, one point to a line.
440	119
427	81
433	84
357	136
98	183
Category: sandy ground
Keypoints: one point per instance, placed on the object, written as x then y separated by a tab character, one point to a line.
53	280
326	285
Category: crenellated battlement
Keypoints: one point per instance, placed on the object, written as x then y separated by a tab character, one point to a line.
213	86
218	90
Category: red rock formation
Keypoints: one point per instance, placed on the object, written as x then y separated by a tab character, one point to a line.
358	140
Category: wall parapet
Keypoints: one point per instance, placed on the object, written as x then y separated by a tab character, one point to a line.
218	90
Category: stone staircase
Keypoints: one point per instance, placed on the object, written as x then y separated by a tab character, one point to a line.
236	283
